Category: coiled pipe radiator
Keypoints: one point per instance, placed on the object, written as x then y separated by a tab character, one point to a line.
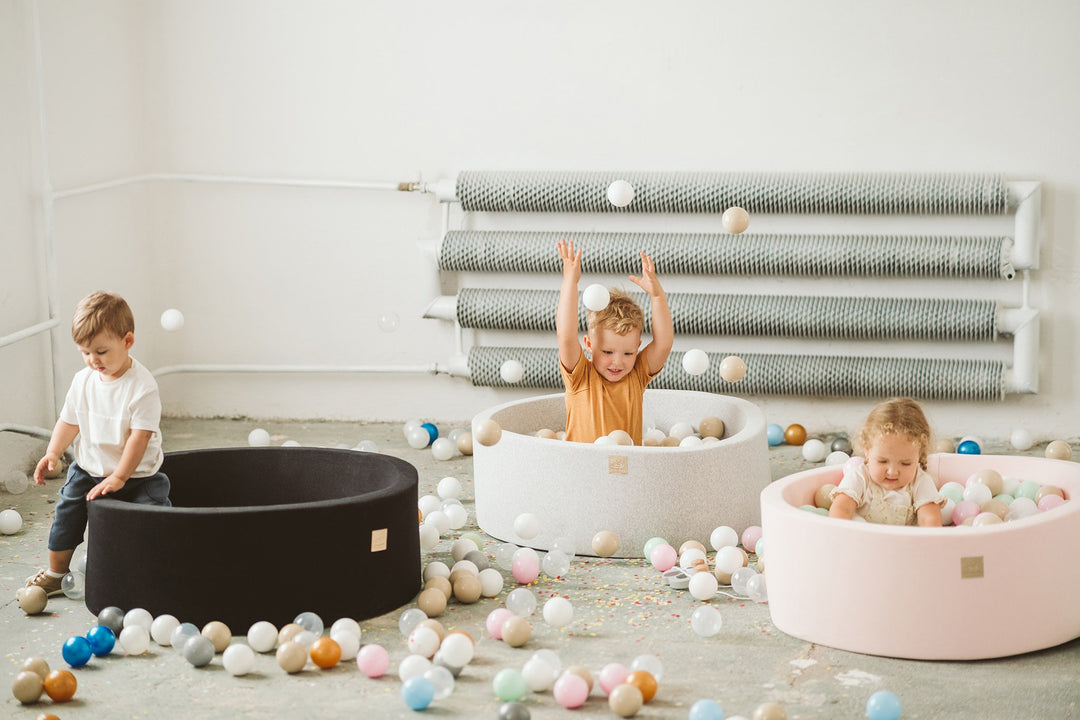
770	374
725	254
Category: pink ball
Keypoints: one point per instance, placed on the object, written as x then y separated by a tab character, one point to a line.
750	536
373	660
525	569
1049	502
570	690
612	675
963	510
495	620
663	557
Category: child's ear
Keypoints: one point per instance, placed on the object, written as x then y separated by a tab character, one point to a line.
129	340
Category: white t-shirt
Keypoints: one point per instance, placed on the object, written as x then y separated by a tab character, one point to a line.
889	507
107	412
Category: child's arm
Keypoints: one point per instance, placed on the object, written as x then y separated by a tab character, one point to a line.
134	449
663	330
843	507
566	319
62	435
929	515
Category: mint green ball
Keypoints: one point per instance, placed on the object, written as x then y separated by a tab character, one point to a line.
1027	489
952	493
651	544
509	685
1005	498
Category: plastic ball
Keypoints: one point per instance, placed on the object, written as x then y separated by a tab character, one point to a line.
181	633
138	616
837	457
495	620
456	515
1049	502
238	659
596	297
60	685
418	438
539	675
449	487
1021	439
645	681
10	522
795	434
429	536
423	641
525	569
458	649
27	687
964	509
443	449
262	636
558	612
219	634
756	588
611	676
32	600
514	711
432	431
729	558
509	685
605	543
326	653
770	711
442	680
102	640
199	650
978	494
418	692
814	450
706	709
695	361
750	537
487	432
722	537
258	438
491	582
35	665
373	660
1058	450
556	564
883	705
172	320
516	631
969	447
134	640
703	586
735	219
16	482
76	651
620	193
626	700
774	434
706	620
526	526
521	602
732	369
649	663
570	690
511	371
73	585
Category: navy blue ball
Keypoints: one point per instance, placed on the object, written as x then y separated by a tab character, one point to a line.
969	447
102	640
76	651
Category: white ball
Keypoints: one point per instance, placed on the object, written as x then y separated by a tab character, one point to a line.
418	438
978	494
413	666
689	557
621	437
439	519
728	559
681	430
722	537
620	193
656	435
428	504
538	674
262	636
423	641
703	585
290	443
138	616
735	220
511	371
258	438
172	319
429	537
526	526
467	565
691	441
605	440
1021	439
695	361
457	515
10	522
449	487
457	650
443	449
349	643
436	568
491	582
815	450
238	659
558	612
462	547
135	639
161	629
837	457
346	625
596	297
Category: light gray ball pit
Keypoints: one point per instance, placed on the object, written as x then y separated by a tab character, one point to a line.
578	489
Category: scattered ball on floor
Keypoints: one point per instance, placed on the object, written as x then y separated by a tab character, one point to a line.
33	599
795	434
605	543
27	687
1058	450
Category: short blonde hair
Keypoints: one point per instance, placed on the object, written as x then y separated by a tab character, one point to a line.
101	312
897	416
621	316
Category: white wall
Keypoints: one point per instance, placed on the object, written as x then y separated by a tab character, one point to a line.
399	91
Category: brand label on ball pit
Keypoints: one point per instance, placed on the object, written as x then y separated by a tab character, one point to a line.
971	567
617	465
378	540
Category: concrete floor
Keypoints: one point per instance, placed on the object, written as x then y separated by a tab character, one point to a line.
622	610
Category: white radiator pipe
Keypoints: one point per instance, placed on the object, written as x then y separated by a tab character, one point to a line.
1025	197
31	331
1023	376
456	366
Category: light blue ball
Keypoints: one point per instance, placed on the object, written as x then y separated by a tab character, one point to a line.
418	692
969	447
706	710
775	434
883	705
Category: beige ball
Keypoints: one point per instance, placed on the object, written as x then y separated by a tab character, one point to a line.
582	672
33	599
27	687
1045	490
36	665
711	427
464	443
732	369
467	589
487	432
605	543
943	445
692	544
670	442
435	625
441	584
621	437
770	711
547	434
218	633
432	601
291	657
58	470
288	632
991	479
625	700
1058	450
735	220
516	631
822	497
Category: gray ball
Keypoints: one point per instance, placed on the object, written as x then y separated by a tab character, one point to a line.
514	711
199	650
478	558
112	618
842	444
441	662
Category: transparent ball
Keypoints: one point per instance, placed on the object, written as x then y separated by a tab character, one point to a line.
755	588
409	619
556	564
367	446
310	621
16	482
74	585
740	577
504	555
650	664
564	545
521	601
706	621
538	674
78	563
443	681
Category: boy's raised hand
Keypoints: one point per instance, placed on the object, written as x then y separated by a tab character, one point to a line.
647	281
571	260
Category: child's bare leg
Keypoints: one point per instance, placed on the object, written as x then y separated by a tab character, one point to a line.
60	561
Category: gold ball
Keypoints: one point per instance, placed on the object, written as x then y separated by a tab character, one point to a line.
487	432
605	543
795	434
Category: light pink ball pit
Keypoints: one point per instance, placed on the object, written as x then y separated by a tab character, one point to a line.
919	593
579	489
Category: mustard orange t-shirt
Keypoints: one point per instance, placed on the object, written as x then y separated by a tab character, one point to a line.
595	406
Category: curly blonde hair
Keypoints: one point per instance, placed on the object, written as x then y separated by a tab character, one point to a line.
897	416
621	316
101	312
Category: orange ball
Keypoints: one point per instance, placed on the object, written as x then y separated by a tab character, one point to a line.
47	716
795	434
325	652
644	681
60	685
